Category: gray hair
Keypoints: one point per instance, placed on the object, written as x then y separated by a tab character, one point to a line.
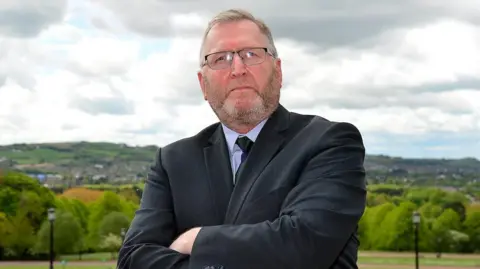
234	15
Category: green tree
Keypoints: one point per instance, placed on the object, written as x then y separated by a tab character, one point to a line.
111	243
457	202
8	200
436	196
472	229
113	223
418	196
3	229
459	240
19	235
430	210
375	219
374	199
67	235
397	230
108	203
21	191
442	228
130	194
77	208
363	229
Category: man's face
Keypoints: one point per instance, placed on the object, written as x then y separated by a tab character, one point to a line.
240	92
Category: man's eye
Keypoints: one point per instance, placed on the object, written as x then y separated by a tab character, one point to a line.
219	59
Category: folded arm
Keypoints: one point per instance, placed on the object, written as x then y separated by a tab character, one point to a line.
152	230
317	218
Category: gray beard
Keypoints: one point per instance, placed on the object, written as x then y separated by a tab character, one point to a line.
268	102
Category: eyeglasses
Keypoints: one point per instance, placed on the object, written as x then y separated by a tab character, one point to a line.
224	59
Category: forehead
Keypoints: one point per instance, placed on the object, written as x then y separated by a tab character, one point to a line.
233	36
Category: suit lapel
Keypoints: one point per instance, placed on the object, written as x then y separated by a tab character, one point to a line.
267	145
219	171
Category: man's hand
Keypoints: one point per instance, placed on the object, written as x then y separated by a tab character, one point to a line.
184	243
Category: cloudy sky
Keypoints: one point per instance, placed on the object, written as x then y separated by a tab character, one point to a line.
406	73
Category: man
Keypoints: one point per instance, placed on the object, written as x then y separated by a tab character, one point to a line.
293	203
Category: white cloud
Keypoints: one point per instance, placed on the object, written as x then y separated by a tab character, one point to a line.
75	82
103	56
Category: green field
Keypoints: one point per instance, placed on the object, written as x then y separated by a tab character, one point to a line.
367	260
82	152
424	261
112	266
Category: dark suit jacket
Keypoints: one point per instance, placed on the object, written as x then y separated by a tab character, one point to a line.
296	204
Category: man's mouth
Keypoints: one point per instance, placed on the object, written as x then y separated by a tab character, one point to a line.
242	88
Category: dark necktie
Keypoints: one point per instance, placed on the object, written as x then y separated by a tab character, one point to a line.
245	144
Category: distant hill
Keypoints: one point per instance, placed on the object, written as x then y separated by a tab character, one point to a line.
121	160
78	158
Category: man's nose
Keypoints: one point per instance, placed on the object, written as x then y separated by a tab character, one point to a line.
238	67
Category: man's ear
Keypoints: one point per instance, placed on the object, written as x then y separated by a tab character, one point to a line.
278	70
201	81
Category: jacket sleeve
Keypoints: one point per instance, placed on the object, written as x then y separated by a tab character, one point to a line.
316	220
152	230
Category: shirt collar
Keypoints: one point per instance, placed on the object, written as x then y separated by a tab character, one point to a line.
231	136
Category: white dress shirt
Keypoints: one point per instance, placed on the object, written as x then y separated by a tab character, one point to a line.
233	149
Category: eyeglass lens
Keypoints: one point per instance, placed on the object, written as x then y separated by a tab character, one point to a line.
222	60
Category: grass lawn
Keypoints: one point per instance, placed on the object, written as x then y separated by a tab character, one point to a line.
66	267
425	259
367	260
98	257
444	261
365	257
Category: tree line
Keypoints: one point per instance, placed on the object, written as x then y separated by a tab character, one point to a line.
449	220
92	220
86	221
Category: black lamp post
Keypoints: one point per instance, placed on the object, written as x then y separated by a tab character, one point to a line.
51	218
416	222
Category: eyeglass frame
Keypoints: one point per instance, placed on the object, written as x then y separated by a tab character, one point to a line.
267	51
